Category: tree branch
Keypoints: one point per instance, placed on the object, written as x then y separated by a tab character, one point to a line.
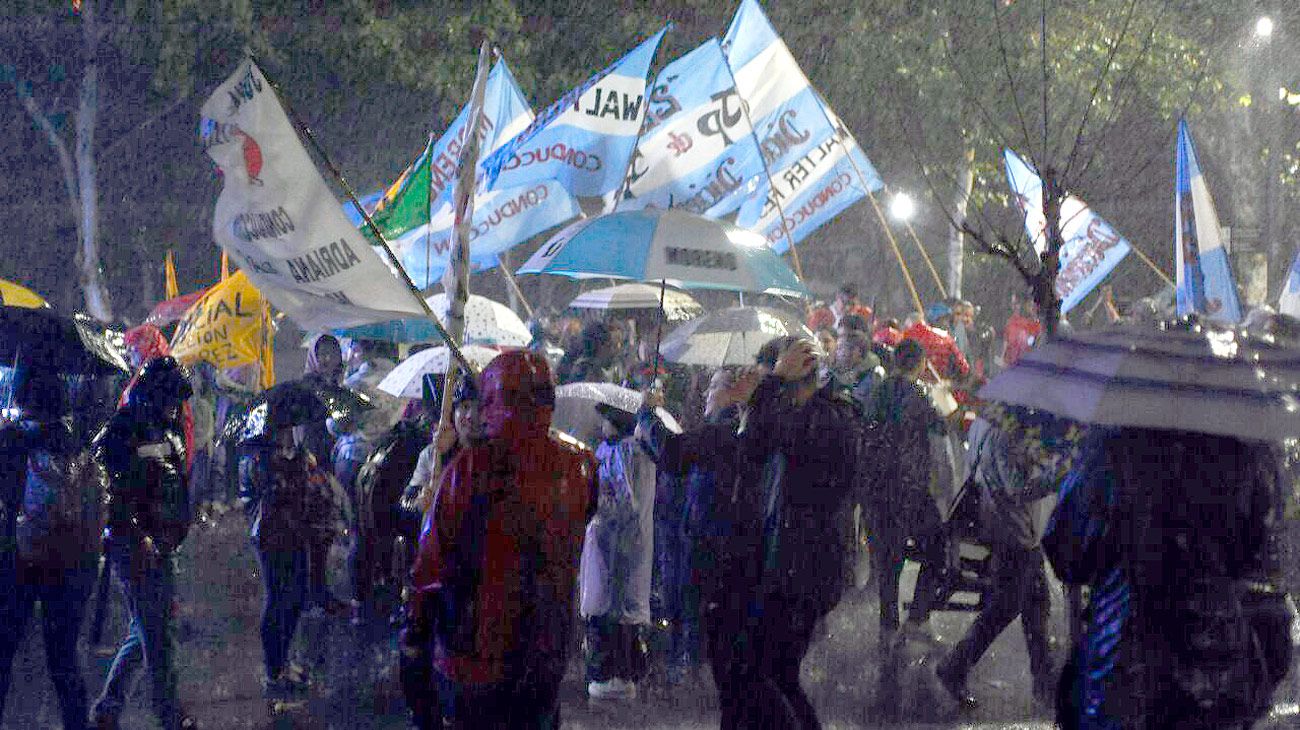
60	146
173	106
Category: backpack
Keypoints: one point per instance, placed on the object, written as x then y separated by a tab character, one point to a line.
62	517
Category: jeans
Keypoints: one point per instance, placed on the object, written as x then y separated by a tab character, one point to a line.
62	606
148	584
1020	590
284	579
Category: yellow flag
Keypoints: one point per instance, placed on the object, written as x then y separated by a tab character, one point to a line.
171	289
228	326
225	264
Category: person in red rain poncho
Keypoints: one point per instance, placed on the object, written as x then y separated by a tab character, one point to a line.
1022	332
490	612
940	349
144	343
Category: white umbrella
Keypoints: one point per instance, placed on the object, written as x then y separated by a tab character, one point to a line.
677	305
575	408
405	380
730	337
486	323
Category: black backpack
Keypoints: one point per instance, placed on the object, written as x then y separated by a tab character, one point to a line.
62	517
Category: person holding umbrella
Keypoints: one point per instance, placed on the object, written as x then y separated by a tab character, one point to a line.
142	449
275	487
51	542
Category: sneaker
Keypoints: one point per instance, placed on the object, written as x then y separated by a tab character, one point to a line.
611	689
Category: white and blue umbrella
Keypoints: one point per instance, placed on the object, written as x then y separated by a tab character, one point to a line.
486	323
684	250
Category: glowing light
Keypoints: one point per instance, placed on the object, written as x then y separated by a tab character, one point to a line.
902	207
1264	27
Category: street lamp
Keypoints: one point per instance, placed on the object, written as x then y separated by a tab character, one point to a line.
1264	27
902	207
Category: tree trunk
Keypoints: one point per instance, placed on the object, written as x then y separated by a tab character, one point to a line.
960	201
98	304
1044	284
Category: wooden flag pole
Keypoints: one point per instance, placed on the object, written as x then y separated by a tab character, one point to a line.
393	261
455	280
504	266
898	254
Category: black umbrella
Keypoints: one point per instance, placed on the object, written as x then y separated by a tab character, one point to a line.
68	344
295	403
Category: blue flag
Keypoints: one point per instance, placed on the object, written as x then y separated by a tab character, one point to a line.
584	140
1289	302
1092	247
1205	284
697	148
416	212
813	160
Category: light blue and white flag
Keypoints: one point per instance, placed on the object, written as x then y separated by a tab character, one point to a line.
806	147
419	218
1092	247
697	148
1289	302
1204	284
502	220
583	141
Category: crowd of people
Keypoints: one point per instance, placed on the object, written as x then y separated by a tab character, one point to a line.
500	547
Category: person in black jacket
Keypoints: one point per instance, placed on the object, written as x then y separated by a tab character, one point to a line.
143	451
36	451
795	469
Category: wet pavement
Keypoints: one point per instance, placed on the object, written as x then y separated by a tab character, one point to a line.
220	660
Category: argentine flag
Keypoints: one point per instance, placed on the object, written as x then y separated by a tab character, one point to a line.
583	140
1205	283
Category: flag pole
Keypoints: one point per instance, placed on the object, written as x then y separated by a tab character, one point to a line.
452	346
504	265
767	172
862	179
938	281
455	280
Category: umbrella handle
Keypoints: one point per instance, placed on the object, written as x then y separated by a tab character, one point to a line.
659	330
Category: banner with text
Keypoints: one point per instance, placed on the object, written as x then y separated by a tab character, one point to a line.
697	148
1092	247
809	153
278	219
583	140
228	326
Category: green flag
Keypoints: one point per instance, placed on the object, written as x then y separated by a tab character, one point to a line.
405	204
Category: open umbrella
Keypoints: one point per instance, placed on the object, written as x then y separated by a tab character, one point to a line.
730	337
685	250
406	380
486	323
69	344
171	310
576	410
16	295
1180	376
294	403
677	305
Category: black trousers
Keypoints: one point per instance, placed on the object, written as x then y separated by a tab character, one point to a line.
888	553
1020	582
755	652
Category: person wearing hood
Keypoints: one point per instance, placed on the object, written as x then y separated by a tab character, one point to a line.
143	344
142	449
617	557
489	616
45	559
